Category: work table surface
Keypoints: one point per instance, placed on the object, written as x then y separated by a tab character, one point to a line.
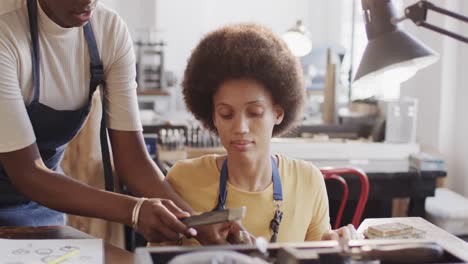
112	253
115	255
454	245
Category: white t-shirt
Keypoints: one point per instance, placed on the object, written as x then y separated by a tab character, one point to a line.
64	76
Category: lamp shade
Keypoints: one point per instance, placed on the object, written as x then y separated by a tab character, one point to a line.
298	40
390	53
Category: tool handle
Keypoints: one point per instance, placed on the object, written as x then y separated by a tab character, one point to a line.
213	217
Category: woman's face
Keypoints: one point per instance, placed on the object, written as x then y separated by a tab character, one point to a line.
244	116
69	13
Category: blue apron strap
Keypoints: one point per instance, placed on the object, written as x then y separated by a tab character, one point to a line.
277	196
277	188
97	78
32	13
222	187
278	199
96	67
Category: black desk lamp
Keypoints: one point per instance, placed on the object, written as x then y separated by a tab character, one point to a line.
391	51
418	13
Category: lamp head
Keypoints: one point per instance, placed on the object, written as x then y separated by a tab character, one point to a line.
390	52
298	40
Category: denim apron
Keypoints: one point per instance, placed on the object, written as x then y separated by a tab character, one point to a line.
53	130
277	196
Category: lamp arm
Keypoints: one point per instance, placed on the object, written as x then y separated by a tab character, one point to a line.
418	13
446	12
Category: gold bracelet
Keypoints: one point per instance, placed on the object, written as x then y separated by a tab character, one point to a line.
136	212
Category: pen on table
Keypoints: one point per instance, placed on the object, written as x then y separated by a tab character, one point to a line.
64	257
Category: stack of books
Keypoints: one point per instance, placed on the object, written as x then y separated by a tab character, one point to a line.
426	162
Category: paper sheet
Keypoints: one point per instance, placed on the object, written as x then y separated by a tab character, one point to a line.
51	251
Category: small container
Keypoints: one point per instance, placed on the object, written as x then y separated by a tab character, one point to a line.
401	118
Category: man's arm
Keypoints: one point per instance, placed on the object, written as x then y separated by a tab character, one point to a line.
32	178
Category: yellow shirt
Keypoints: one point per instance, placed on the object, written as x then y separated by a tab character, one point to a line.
305	201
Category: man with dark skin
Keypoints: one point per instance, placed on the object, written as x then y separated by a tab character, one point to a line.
37	126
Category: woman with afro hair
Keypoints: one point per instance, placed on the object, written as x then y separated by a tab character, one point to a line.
243	83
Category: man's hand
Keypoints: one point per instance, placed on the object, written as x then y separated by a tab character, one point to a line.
159	221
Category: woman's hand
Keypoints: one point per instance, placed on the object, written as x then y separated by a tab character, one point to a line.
224	233
239	235
214	234
159	221
343	233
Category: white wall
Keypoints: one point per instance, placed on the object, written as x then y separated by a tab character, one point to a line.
181	23
137	14
184	22
459	170
442	92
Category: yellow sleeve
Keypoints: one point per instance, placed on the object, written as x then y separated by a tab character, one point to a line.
320	222
173	174
177	176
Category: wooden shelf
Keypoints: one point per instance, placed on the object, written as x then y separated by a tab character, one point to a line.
188	153
153	92
198	152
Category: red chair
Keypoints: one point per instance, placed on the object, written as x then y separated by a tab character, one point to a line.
334	174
